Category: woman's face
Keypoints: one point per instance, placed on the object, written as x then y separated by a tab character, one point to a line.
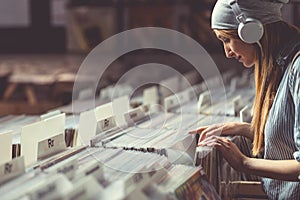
236	48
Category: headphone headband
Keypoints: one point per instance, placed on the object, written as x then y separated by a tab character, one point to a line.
249	30
240	17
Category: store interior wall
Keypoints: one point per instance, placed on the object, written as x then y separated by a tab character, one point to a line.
69	29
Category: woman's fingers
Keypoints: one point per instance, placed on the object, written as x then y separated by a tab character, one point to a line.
217	130
199	130
210	132
228	149
207	141
215	141
207	129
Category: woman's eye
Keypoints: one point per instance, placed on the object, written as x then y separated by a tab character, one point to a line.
226	40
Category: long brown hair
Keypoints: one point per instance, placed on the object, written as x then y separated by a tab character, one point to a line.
267	74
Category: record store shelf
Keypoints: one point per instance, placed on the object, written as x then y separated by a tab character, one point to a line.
115	150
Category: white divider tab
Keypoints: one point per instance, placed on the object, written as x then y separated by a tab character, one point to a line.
33	133
245	114
122	90
105	93
237	104
150	96
87	93
53	126
67	167
204	99
12	169
50	114
169	86
51	146
93	168
85	188
6	147
142	180
134	116
55	188
120	106
233	84
86	128
104	111
187	95
171	102
107	123
115	91
30	136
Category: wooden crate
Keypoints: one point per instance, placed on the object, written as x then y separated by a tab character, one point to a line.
237	190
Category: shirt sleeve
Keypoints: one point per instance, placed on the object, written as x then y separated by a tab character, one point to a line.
294	84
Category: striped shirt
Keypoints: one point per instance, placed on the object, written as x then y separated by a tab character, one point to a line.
282	132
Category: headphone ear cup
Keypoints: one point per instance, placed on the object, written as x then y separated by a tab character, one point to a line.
251	31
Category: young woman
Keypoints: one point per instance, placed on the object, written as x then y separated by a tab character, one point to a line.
275	127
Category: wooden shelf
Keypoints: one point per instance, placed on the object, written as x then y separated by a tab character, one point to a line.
21	107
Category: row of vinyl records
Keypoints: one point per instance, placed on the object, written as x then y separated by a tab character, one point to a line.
117	152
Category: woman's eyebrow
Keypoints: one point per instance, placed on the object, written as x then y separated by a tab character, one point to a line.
220	37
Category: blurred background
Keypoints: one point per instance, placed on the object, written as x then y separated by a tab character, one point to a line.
42	43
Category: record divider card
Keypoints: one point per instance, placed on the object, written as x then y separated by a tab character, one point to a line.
6	147
12	169
36	132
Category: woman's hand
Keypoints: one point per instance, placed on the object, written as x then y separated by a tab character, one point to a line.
229	150
260	167
224	129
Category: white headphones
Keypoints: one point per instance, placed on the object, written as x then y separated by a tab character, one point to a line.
249	30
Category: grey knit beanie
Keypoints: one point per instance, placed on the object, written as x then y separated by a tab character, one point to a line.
262	10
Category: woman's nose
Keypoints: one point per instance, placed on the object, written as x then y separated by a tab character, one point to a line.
229	53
